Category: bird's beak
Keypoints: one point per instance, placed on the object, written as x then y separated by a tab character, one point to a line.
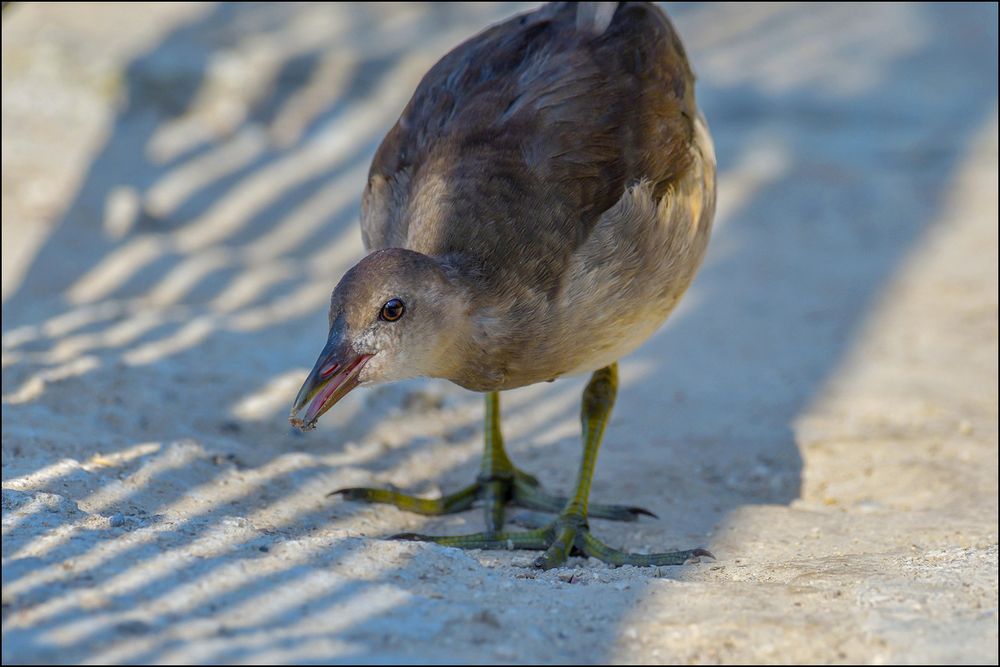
333	377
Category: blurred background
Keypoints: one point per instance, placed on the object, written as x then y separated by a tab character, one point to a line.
180	193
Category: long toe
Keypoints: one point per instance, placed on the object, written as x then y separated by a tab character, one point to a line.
535	540
593	547
534	498
450	504
562	538
619	512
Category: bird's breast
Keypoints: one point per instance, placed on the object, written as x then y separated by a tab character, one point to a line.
615	290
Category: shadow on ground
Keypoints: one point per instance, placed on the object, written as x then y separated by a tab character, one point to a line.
192	270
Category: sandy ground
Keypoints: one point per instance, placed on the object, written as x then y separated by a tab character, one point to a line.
180	193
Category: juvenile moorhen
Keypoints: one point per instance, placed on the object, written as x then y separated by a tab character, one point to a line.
538	210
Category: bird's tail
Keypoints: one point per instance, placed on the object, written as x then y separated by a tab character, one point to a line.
594	17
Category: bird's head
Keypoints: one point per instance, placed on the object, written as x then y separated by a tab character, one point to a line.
395	315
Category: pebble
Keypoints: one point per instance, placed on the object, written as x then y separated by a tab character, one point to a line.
133	628
487	617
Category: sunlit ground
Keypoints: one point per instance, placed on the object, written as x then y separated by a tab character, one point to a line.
181	187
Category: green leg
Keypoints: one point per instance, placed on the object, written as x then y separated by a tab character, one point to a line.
569	533
499	484
455	502
496	473
598	400
494	485
502	483
572	534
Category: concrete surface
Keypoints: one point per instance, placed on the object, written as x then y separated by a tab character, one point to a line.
180	193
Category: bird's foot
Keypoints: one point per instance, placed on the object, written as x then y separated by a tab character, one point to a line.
567	535
496	492
528	494
450	504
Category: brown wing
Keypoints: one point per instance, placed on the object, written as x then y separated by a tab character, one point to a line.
516	141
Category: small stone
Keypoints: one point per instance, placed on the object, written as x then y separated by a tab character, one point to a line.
486	617
116	520
134	628
868	506
230	426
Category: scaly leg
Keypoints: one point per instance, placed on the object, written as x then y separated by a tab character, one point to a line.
570	533
499	484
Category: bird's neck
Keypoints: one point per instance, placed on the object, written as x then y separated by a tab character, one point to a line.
502	331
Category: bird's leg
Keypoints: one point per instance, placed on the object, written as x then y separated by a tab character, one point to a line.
499	483
496	473
570	533
504	483
494	485
598	399
498	478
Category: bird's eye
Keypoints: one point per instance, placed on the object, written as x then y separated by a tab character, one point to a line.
392	310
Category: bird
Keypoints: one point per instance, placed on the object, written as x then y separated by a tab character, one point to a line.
538	210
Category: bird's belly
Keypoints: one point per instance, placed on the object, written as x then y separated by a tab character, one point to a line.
603	346
623	283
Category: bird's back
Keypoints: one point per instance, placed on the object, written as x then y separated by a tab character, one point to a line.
560	160
523	135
